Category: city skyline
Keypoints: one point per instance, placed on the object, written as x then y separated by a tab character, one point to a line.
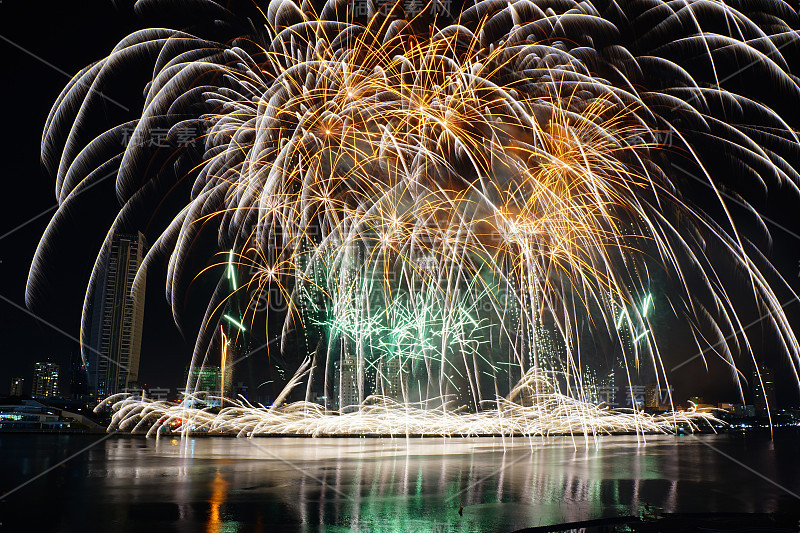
427	266
694	382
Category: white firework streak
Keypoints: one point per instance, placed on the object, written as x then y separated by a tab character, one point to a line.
545	413
447	193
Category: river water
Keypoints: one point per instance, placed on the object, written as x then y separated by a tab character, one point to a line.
382	485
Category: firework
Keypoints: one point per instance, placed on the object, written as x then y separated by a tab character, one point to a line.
448	203
545	413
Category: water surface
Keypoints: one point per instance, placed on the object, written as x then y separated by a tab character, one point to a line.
383	485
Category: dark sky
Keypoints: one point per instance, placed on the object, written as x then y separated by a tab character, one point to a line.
42	44
65	37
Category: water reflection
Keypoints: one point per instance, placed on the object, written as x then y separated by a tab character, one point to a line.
219	493
225	485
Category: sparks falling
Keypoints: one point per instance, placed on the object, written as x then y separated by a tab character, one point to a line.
448	203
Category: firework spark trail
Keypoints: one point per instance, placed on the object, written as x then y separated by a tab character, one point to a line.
546	413
451	192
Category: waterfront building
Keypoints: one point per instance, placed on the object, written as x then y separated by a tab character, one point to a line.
393	379
16	387
45	380
117	318
345	384
29	415
763	390
78	376
206	378
657	398
240	389
742	411
607	394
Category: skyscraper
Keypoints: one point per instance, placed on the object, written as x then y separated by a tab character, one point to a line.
78	378
392	378
45	380
345	385
203	379
763	390
117	318
16	387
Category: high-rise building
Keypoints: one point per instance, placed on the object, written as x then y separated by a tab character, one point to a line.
45	380
656	396
78	377
763	390
392	378
117	318
607	394
16	387
240	389
345	385
204	379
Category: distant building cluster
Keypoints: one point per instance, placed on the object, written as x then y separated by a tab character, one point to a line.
115	336
652	397
113	350
204	381
45	382
351	384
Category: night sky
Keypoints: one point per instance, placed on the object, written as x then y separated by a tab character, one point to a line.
67	36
